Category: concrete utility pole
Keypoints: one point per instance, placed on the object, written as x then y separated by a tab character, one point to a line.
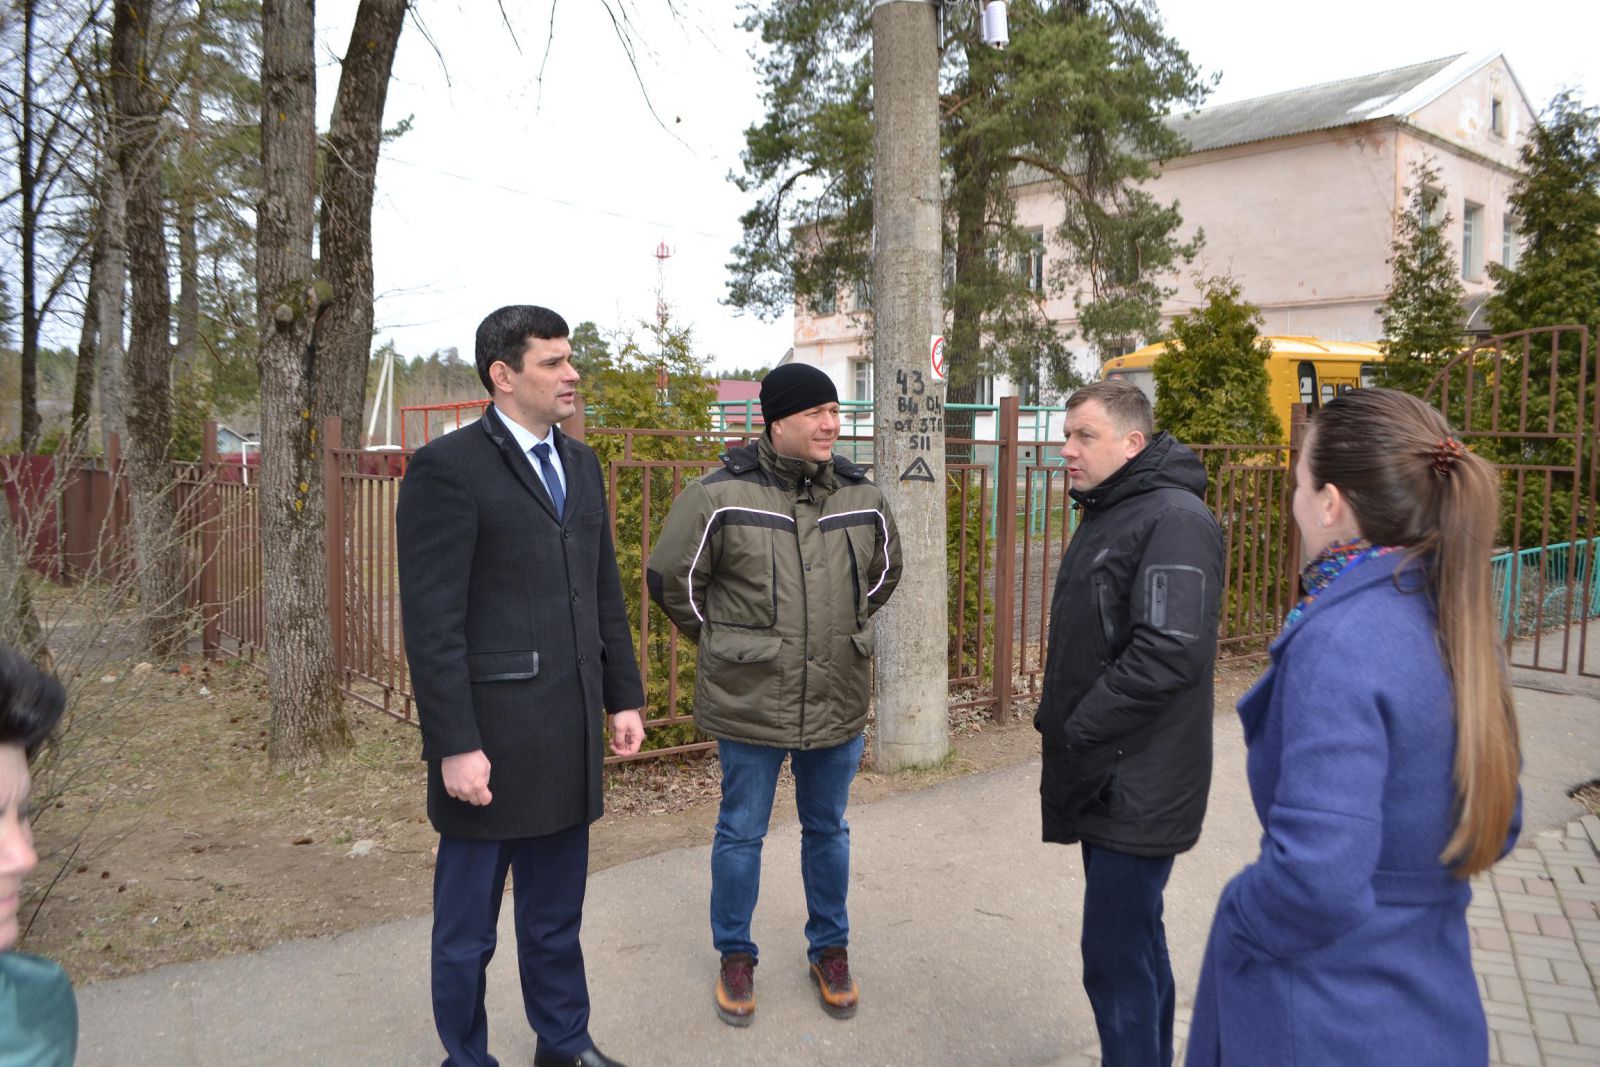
912	690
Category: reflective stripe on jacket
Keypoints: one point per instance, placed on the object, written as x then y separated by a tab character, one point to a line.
774	567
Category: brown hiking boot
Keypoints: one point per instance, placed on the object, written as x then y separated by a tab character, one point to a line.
834	984
736	989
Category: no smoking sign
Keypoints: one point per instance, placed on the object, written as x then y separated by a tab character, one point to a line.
936	358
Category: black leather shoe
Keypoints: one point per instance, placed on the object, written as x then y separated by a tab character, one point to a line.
591	1058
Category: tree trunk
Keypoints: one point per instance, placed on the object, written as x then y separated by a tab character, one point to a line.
27	188
349	175
188	285
112	300
307	714
350	168
188	246
966	312
136	118
83	375
912	686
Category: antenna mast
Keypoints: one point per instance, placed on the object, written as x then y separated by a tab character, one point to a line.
663	253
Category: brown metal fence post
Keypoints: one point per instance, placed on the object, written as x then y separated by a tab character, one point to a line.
210	516
1005	548
572	426
1298	415
333	495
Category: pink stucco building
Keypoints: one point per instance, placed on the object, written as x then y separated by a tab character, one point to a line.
1298	194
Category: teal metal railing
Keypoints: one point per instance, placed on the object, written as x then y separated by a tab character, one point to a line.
1532	586
856	430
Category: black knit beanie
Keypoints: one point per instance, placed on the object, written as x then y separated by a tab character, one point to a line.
795	387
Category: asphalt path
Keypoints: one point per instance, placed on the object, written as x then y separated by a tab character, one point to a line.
964	942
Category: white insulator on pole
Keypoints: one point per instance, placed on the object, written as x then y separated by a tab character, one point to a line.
995	32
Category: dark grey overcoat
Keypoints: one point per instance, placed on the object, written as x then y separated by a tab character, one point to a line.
515	627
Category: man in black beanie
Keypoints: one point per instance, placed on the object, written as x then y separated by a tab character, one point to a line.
796	387
773	566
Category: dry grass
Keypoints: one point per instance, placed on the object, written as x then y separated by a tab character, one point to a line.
1588	794
183	844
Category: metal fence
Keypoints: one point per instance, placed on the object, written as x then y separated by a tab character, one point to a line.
1527	402
1009	522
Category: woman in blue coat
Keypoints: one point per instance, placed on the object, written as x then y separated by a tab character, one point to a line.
1383	763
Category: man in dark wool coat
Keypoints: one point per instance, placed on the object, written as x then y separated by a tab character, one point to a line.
518	639
1126	707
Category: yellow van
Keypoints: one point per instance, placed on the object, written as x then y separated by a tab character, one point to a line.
1301	370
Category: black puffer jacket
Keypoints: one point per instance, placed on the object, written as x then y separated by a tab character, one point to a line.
1127	702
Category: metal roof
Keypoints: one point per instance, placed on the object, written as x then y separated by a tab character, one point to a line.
1320	107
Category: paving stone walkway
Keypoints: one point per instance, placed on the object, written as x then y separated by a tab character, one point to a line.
1535	922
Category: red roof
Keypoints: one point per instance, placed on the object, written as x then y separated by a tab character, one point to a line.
737	389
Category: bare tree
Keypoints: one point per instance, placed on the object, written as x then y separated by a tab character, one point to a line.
88	344
136	134
307	717
111	300
350	166
100	335
41	101
188	227
212	178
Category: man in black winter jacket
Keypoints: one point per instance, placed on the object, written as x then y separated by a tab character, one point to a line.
1127	703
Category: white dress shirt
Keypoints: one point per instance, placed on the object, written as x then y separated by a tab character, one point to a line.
525	441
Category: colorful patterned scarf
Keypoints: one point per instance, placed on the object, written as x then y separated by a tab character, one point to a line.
1329	564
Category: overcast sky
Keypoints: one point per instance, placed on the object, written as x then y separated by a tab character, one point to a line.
513	189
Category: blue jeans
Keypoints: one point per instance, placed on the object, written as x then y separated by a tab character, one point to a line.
822	778
1125	967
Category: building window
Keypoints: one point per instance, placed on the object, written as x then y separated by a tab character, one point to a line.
949	267
862	296
1031	263
983	389
1509	241
861	389
1471	239
1030	390
1432	207
827	304
1497	117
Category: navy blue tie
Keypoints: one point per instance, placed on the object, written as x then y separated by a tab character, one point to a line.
552	481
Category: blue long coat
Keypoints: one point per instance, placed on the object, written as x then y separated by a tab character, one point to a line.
1346	941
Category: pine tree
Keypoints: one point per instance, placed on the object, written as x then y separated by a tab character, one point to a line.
622	390
1556	279
1211	383
591	354
1422	316
1077	99
1555	282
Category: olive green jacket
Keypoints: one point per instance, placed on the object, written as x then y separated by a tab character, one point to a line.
774	567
